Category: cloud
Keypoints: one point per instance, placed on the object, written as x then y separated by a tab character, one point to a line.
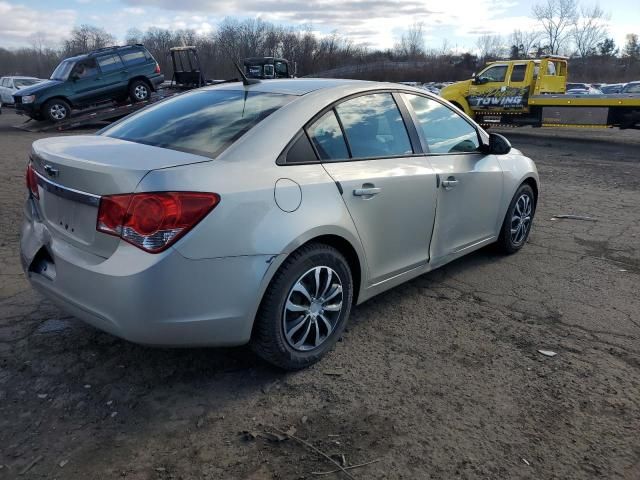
19	24
374	22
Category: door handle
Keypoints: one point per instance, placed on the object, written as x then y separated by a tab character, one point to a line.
366	191
449	183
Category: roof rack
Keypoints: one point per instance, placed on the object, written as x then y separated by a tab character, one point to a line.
113	47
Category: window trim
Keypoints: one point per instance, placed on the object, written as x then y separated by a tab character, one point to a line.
414	139
481	139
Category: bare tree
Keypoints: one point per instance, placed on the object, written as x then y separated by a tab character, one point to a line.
87	37
589	29
411	43
490	46
525	42
556	18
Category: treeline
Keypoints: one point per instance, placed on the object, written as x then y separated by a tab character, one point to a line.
312	54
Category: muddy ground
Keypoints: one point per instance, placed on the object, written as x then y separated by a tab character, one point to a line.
439	378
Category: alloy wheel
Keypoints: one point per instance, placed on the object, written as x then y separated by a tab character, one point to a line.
521	219
313	308
141	92
58	111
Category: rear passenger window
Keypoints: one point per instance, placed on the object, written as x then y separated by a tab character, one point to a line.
326	136
374	127
444	130
109	63
131	57
301	151
517	74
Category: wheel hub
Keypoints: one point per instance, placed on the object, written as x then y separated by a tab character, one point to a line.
312	308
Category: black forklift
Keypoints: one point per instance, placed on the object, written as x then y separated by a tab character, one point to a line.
267	67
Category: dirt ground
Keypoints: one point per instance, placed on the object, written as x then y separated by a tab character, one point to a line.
439	378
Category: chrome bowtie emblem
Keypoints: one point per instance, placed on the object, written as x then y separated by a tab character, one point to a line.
51	171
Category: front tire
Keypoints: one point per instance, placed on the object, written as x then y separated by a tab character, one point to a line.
139	91
305	308
56	110
518	220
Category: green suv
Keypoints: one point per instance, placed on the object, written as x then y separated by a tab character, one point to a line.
112	73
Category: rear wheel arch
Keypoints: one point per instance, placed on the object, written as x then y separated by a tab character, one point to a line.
142	78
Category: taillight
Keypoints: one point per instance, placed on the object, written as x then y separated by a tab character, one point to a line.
157	68
32	181
153	221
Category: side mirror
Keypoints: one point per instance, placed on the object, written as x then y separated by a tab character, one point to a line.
498	145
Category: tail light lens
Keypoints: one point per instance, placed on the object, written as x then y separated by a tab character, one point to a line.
153	221
157	68
32	181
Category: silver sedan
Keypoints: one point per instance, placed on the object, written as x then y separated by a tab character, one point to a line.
262	213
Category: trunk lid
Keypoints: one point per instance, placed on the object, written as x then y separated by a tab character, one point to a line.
74	172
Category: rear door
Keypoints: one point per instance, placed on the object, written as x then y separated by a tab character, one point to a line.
470	182
389	191
112	69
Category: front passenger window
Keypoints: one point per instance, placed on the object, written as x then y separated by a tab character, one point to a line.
444	130
374	126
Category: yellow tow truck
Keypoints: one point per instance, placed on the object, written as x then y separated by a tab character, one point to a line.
532	92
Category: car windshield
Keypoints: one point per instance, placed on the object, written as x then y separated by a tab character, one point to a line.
62	71
24	82
204	122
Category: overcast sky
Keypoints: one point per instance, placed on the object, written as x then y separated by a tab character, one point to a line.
378	23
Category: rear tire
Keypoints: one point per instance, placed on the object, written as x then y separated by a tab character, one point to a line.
56	110
305	308
139	91
518	220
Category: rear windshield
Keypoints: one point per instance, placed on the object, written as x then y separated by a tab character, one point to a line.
204	122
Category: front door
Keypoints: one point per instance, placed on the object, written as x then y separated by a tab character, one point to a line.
389	192
488	90
470	182
86	82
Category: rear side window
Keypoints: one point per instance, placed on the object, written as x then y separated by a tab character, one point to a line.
374	127
131	57
326	135
445	130
518	72
109	63
633	88
202	122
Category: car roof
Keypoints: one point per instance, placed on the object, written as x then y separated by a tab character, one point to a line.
302	86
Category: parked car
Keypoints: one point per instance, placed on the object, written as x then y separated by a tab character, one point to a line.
612	88
263	213
10	85
582	89
112	73
631	87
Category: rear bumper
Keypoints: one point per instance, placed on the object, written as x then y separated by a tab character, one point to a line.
156	81
164	299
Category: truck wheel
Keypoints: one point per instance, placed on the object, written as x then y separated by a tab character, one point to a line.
139	91
56	110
